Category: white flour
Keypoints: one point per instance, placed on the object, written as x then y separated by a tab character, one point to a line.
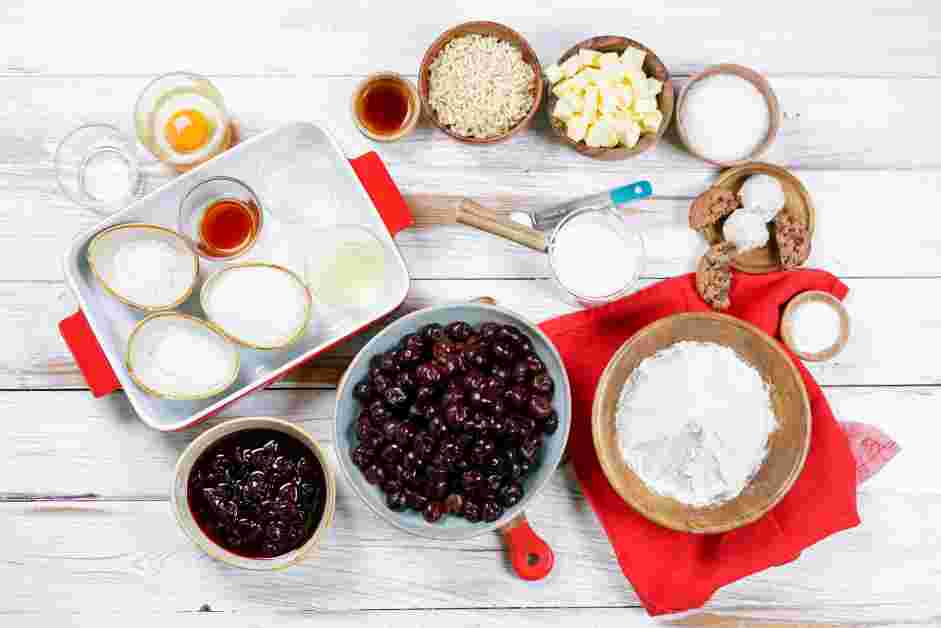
150	272
725	117
693	422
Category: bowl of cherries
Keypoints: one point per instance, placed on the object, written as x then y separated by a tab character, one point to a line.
254	492
451	420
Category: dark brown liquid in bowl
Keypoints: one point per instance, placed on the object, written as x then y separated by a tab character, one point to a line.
259	493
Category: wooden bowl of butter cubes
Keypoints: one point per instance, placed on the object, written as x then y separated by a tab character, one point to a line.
610	98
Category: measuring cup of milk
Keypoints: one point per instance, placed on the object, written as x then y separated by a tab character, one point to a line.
594	255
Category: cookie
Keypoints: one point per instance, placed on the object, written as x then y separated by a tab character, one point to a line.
714	275
711	206
793	240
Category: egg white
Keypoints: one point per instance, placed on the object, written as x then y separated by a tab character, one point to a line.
179	102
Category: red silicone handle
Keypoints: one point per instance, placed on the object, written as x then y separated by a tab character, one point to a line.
382	190
88	354
531	557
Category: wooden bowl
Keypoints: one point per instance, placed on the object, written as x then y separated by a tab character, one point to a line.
755	79
797	202
787	324
787	446
501	32
653	67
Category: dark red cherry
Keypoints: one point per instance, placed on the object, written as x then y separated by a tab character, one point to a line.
396	501
433	512
472	511
432	332
491	511
539	406
458	331
511	494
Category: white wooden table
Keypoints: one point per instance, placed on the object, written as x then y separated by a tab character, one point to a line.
85	527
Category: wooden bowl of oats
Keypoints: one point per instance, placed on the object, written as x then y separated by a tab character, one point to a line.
465	58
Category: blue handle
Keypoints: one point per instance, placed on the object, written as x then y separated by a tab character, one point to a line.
631	192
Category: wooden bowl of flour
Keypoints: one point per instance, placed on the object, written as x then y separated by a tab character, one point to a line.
787	445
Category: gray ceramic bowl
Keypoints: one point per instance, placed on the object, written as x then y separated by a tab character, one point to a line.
450	528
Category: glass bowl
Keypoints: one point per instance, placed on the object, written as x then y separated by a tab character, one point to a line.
97	168
629	238
198	200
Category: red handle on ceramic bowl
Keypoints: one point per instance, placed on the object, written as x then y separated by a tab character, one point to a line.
88	354
531	557
382	191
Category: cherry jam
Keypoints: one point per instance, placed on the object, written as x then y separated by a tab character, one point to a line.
258	493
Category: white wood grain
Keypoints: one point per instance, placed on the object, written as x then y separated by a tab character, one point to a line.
821	131
130	555
362	36
889	318
46	432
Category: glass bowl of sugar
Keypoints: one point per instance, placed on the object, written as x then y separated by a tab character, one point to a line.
595	256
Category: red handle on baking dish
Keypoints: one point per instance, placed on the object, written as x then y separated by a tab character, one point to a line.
86	349
531	557
88	354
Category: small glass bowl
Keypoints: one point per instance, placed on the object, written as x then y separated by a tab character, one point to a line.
96	167
156	92
630	238
194	205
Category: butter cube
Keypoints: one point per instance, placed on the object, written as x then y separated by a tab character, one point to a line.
576	127
592	75
589	57
614	72
633	58
601	133
573	100
636	77
626	95
591	102
574	84
654	86
628	131
563	110
571	65
554	74
652	121
607	59
645	105
611	99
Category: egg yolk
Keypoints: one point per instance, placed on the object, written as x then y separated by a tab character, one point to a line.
187	130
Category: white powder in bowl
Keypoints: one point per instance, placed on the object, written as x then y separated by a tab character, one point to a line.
815	326
593	255
149	272
725	117
693	422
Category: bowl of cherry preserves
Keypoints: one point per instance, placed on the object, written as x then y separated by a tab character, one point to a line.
255	493
451	420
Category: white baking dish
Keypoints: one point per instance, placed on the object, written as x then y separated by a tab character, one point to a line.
328	189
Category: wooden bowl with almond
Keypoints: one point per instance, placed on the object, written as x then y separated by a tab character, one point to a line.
502	33
651	66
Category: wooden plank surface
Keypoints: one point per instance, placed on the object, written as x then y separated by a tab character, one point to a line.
858	83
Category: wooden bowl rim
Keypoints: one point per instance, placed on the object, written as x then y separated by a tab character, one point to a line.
608	43
463	29
598	422
760	83
787	327
807	213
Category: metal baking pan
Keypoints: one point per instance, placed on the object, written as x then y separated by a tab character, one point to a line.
324	189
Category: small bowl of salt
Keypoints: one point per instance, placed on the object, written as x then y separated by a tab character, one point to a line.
595	256
815	326
727	115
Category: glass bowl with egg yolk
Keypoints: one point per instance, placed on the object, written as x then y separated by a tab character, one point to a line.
182	120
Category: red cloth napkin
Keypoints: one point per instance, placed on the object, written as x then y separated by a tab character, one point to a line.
676	571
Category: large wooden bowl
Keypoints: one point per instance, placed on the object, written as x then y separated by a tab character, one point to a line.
787	446
797	203
501	32
653	67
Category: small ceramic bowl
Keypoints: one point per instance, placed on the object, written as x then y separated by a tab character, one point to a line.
787	325
501	32
653	67
760	83
180	502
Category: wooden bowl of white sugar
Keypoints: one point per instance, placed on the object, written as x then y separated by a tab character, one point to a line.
787	440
